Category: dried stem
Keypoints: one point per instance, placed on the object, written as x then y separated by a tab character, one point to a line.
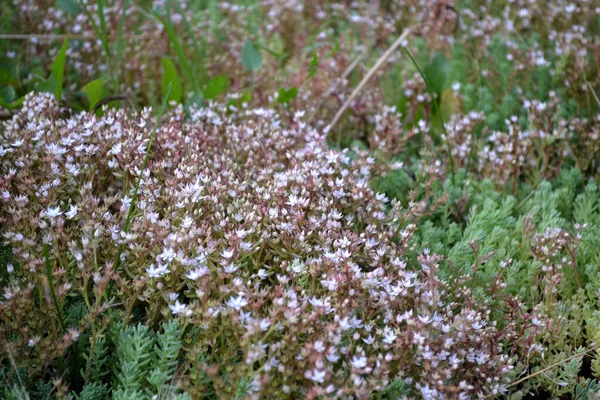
368	76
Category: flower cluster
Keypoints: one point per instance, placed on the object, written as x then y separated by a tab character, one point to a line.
245	230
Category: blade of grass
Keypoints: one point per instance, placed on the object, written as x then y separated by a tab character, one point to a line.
51	284
436	108
58	68
197	52
119	46
161	111
183	61
101	31
104	32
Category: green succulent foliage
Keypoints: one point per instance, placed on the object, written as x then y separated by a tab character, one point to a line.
167	349
91	391
588	390
147	362
495	238
134	358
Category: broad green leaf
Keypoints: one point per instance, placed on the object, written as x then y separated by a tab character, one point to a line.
48	85
251	58
70	6
170	76
7	95
57	70
94	92
215	87
438	73
286	95
196	99
183	61
5	76
449	104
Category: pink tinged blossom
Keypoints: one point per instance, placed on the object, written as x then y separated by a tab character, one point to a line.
389	337
180	309
197	273
359	362
157	271
53	212
315	375
72	211
237	303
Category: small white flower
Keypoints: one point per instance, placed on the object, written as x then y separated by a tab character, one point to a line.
237	302
180	309
72	211
157	271
315	375
53	212
197	273
359	362
389	337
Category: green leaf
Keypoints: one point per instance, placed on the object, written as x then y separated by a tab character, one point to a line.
70	6
170	76
438	73
335	49
5	76
181	56
196	99
94	92
312	65
251	58
215	87
286	95
47	85
57	70
7	95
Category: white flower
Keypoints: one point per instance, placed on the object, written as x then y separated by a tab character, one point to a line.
315	375
53	212
237	302
230	268
168	255
157	272
72	211
359	362
180	309
389	337
197	273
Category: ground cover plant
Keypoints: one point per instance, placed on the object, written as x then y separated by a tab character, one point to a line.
283	199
